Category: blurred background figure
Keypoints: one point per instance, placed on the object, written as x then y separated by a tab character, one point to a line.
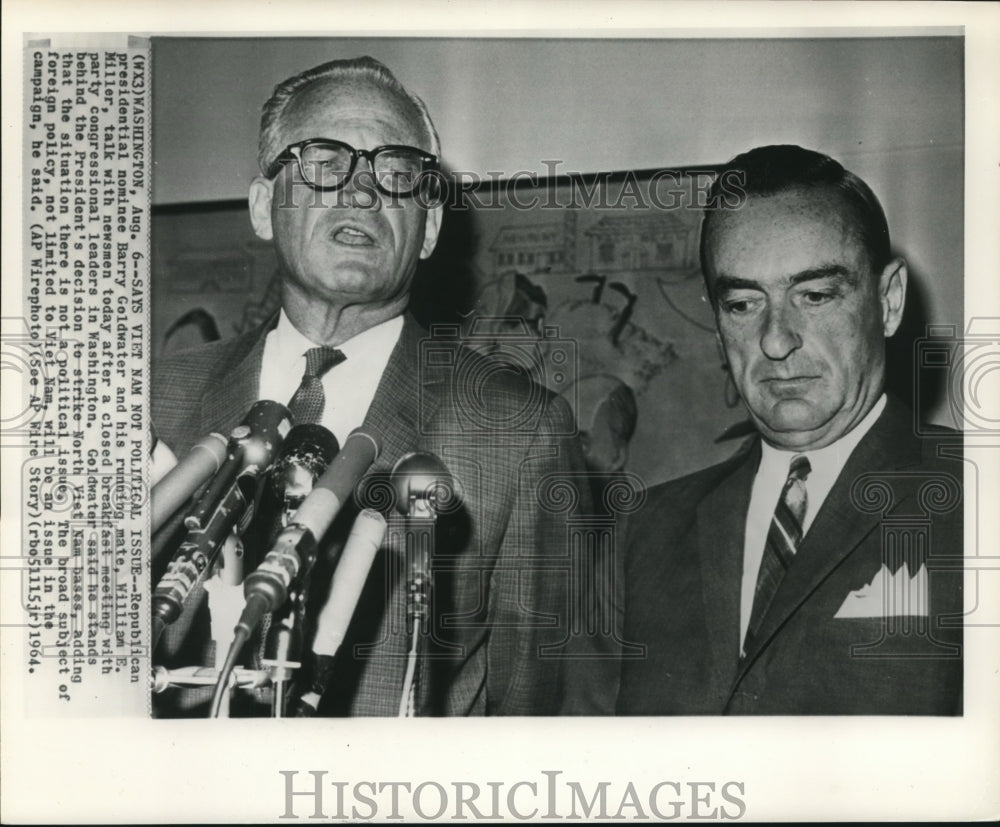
606	414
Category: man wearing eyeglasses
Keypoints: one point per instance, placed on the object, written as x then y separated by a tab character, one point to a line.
346	156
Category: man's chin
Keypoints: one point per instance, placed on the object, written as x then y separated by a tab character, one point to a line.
352	282
792	423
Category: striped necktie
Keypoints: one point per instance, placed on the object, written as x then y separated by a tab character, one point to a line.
783	538
308	402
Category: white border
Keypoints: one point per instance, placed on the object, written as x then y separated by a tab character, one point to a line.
843	768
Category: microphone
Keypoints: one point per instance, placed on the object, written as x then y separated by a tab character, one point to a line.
423	488
226	502
305	454
345	590
423	485
297	545
251	449
180	482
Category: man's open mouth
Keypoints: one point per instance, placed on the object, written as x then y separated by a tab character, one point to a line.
353	237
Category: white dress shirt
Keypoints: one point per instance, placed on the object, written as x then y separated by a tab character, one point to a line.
826	464
348	388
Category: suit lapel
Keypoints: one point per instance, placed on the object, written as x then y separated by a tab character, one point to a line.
721	521
402	402
225	404
840	526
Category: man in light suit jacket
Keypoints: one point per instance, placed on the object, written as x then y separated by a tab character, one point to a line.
819	570
344	154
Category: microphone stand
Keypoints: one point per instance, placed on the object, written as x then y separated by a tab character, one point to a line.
283	648
420	480
419	538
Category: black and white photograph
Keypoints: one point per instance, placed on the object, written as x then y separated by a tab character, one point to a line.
613	398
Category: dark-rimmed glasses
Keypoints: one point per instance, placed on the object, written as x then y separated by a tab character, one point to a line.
327	165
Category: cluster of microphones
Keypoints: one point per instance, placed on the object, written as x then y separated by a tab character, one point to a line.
221	482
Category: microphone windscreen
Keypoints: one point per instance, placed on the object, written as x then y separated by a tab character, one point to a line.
332	490
305	454
348	581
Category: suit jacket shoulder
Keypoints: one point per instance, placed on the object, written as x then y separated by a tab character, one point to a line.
184	383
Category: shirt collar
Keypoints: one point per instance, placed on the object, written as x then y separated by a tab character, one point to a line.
291	344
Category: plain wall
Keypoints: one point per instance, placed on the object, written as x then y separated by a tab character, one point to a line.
891	109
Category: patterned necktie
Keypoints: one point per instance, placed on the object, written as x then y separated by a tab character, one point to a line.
783	538
307	403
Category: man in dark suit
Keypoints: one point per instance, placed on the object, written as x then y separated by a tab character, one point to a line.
818	571
344	153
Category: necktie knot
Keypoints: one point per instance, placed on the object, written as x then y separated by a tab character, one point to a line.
794	494
799	468
320	359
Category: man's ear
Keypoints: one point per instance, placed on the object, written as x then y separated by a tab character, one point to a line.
621	457
261	193
432	226
892	295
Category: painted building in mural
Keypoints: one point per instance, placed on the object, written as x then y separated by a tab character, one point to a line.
545	247
652	241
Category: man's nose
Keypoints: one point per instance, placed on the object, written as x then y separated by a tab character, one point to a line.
780	337
360	190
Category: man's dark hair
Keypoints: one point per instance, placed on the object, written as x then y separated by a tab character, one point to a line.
769	170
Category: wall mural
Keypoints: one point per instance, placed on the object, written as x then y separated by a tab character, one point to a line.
610	264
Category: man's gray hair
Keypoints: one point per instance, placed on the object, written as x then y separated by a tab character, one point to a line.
364	68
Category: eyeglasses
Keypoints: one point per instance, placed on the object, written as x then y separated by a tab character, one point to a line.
327	165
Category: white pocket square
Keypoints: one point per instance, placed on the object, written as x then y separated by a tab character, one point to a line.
889	595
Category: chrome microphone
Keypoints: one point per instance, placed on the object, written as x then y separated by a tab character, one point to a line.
423	487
